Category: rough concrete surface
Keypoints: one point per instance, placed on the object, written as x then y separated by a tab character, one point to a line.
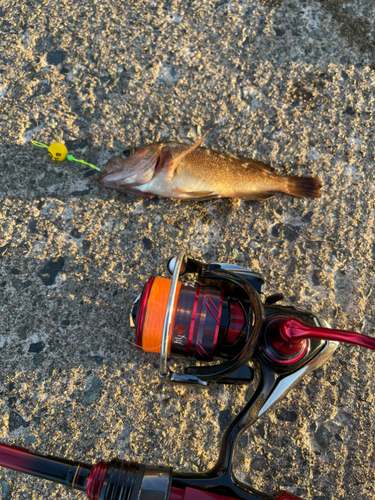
289	82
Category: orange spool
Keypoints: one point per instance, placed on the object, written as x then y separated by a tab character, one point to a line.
156	309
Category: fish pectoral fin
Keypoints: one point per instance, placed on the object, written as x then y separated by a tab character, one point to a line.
174	163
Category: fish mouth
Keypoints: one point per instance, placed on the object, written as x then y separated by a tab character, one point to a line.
111	179
108	168
109	173
112	175
105	173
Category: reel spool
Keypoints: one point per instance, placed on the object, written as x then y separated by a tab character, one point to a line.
203	323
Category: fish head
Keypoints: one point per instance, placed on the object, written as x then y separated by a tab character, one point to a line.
131	168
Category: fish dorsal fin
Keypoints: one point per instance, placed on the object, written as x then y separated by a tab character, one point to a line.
258	165
175	162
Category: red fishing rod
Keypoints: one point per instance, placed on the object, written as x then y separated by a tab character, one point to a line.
220	313
115	480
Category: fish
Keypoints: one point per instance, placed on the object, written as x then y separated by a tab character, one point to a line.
194	172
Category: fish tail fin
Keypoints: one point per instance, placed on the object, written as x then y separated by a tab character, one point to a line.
303	187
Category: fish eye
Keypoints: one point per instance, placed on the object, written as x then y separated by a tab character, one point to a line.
127	152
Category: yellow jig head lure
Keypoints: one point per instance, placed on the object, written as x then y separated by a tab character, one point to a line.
58	152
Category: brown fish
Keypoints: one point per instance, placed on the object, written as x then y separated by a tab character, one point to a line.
176	170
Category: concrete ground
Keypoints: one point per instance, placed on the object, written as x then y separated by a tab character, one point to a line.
289	82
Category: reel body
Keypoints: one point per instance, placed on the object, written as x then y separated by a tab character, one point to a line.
222	313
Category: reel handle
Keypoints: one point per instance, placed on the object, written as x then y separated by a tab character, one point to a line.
290	334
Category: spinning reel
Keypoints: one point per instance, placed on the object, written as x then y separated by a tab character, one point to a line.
223	314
